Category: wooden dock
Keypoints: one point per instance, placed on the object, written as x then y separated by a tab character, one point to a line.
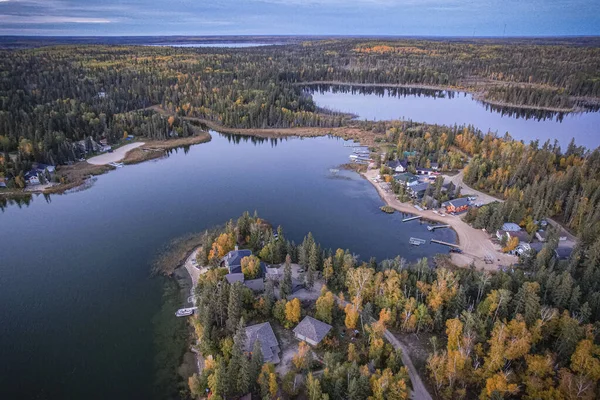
411	218
445	243
434	227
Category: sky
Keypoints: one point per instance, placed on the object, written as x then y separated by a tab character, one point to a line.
300	17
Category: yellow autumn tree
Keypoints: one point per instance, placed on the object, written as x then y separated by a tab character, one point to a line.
324	306
221	246
512	244
301	358
292	312
250	267
498	385
351	317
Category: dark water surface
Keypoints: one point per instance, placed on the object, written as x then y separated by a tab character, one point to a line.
449	108
77	301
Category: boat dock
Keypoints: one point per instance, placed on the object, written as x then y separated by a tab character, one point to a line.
434	227
445	243
411	218
416	241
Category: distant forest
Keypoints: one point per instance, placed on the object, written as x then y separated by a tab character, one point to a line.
52	97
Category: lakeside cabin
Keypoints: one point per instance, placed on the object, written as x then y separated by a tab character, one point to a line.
418	191
397	165
457	205
39	173
407	179
233	260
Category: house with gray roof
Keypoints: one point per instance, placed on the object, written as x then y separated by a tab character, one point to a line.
256	285
233	260
311	330
233	278
263	333
511	227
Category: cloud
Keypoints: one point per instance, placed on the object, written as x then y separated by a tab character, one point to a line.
50	19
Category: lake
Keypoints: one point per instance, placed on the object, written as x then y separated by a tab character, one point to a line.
78	302
449	108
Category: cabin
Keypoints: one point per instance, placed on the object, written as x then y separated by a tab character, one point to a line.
256	285
406	179
457	205
523	236
264	335
427	171
233	260
418	190
511	227
398	165
233	278
32	178
435	166
311	330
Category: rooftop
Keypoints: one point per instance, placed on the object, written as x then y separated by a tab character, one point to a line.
236	277
234	257
263	333
312	329
511	227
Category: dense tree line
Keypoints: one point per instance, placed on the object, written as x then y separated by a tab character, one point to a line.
52	97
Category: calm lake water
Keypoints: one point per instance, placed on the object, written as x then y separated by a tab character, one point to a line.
449	108
77	300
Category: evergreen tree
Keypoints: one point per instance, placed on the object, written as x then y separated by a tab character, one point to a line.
256	363
285	287
234	307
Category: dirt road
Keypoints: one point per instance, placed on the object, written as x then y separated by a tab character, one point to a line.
419	390
475	244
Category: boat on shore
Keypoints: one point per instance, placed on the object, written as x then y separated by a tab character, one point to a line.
116	164
185	312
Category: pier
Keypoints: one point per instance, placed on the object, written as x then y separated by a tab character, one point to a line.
411	218
434	227
445	243
354	145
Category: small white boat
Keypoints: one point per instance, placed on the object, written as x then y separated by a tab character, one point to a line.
116	165
185	312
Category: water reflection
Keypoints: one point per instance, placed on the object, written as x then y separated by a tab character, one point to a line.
446	107
404	92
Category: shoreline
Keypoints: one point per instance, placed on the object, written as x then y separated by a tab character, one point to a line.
80	172
478	95
117	155
476	244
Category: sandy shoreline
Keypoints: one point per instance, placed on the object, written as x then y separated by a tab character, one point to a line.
116	156
475	244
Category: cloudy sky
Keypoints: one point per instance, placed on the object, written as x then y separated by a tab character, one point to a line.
297	17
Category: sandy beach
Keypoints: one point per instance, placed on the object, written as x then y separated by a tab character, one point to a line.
116	156
474	243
